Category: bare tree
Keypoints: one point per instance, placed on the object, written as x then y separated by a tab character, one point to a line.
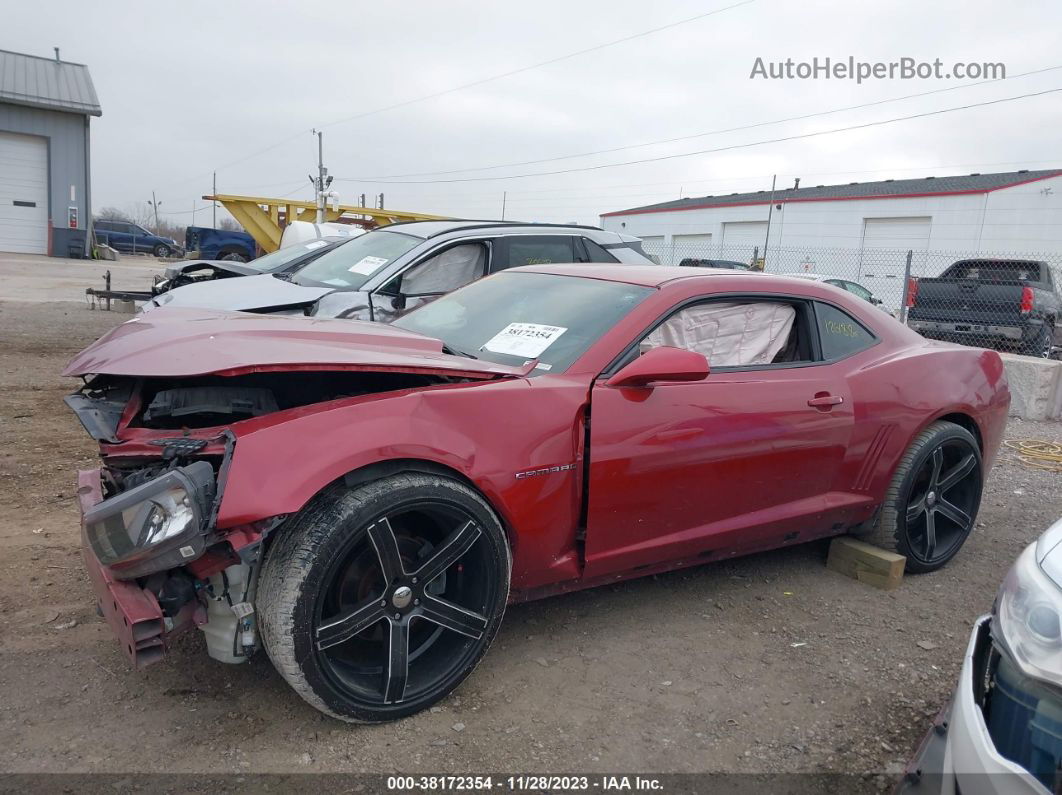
112	214
229	225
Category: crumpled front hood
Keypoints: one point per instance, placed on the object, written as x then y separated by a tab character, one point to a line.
227	266
247	294
174	342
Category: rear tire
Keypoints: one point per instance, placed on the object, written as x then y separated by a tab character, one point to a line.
232	256
1040	345
931	504
376	602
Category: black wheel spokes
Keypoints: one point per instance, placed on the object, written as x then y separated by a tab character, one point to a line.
405	597
450	616
349	624
397	670
452	549
384	541
943	496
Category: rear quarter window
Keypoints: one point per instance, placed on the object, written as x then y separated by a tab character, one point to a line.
840	334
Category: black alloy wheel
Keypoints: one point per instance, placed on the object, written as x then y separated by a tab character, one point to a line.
381	600
942	503
931	503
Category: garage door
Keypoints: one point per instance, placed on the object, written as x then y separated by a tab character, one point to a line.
742	238
698	246
883	257
23	193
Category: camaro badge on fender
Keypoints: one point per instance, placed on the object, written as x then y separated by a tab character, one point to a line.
544	471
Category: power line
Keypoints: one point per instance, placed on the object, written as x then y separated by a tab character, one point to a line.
719	132
490	79
731	147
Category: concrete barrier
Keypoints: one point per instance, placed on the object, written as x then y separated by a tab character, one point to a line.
1035	387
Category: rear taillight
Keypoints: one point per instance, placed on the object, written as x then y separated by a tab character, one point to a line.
912	291
1026	300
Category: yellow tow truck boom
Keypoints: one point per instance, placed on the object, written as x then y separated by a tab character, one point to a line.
261	216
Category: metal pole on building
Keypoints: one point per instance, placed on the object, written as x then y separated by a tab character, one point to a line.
906	286
770	210
214	220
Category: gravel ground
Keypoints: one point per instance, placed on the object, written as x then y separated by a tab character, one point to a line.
764	664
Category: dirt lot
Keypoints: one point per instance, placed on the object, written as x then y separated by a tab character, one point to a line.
769	663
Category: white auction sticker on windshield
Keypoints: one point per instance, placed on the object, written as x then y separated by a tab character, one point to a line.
529	340
367	266
316	244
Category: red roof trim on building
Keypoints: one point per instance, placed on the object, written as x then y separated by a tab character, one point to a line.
708	206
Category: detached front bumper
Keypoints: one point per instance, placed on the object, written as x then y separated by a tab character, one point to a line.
958	755
134	614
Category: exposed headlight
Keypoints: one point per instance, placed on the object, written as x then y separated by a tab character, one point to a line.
1027	619
155	526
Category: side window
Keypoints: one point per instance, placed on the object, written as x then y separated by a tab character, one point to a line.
595	253
738	333
446	271
857	290
535	250
102	226
839	333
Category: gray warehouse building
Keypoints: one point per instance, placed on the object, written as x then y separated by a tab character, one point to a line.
45	200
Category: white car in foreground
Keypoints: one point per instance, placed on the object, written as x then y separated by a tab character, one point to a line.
1002	731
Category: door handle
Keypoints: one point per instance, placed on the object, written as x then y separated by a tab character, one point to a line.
823	400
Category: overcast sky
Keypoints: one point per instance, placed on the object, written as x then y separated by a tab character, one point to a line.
191	87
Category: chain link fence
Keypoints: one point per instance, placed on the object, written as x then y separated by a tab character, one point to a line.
1003	300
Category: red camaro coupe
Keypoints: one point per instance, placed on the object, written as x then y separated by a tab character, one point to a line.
363	500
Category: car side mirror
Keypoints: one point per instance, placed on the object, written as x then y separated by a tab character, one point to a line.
662	364
875	300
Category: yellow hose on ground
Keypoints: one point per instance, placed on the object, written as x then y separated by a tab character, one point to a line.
1037	453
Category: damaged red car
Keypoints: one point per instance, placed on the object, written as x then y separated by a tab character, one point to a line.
362	501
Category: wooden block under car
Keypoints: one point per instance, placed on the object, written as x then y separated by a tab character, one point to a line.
866	563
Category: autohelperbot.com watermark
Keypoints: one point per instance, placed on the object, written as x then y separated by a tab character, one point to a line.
850	68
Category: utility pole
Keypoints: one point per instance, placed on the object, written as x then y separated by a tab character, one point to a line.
323	180
214	204
155	206
770	210
505	194
380	200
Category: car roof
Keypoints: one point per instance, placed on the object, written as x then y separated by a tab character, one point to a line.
644	275
817	277
655	275
429	229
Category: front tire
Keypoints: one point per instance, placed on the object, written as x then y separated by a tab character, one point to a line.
931	504
376	601
161	251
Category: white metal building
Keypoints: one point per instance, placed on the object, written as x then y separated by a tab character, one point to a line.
45	107
1019	211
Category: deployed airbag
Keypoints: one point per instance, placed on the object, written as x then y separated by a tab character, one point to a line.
729	335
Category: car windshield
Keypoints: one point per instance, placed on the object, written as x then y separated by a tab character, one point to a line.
281	257
512	318
349	266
